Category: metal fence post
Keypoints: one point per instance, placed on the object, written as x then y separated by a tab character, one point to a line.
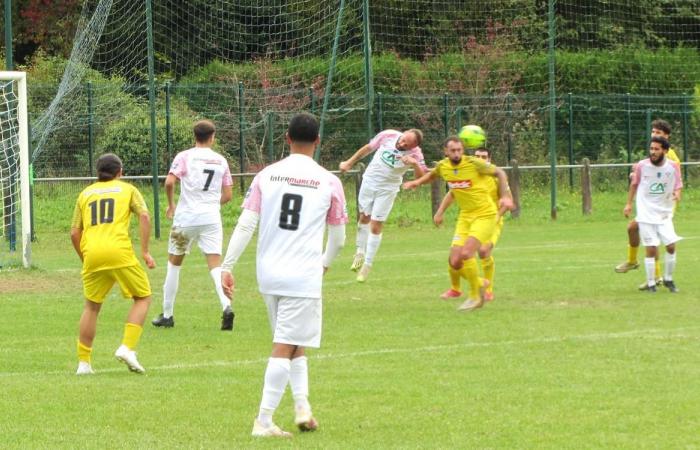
586	197
648	128
686	125
446	113
168	125
514	182
571	140
241	140
91	129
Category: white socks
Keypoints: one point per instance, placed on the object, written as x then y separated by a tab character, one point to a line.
650	267
216	276
361	239
299	382
172	279
276	379
669	265
373	241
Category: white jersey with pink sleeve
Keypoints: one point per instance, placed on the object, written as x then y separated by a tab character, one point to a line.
655	187
295	199
202	173
386	170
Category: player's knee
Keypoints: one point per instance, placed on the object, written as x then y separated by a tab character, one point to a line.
376	227
633	227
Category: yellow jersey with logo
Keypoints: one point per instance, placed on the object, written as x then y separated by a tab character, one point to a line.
470	181
103	211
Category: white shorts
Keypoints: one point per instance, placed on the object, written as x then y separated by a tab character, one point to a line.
294	320
209	239
375	203
654	234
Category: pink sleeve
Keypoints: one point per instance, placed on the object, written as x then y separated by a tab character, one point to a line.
227	179
679	180
179	165
338	212
637	173
381	137
417	153
253	197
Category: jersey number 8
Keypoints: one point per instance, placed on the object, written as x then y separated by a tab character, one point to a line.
289	213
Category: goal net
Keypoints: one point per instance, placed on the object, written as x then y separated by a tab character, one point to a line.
15	234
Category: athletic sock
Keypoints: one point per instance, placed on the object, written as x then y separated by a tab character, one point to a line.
276	379
172	279
216	276
470	272
657	268
632	254
373	241
669	266
649	267
84	352
361	238
299	382
455	279
132	335
489	266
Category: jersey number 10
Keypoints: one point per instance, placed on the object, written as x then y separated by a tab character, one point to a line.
105	210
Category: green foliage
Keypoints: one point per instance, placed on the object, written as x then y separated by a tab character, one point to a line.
130	137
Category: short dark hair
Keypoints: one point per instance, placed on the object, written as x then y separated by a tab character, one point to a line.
203	130
662	125
108	166
418	134
483	149
664	143
303	128
449	139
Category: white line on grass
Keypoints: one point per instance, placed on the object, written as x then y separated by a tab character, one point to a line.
653	333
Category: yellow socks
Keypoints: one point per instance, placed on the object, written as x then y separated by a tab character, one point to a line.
632	254
455	279
84	352
132	334
470	272
489	266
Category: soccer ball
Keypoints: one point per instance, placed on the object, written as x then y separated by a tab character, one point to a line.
472	136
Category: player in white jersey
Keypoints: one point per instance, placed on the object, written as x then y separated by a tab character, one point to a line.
394	153
292	200
205	185
657	186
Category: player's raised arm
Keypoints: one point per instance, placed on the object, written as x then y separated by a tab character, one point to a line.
346	165
426	178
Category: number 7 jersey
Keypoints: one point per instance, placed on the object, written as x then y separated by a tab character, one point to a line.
295	199
202	173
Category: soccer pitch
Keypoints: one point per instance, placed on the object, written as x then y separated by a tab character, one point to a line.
569	355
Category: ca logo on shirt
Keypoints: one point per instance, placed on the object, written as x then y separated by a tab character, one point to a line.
657	188
390	158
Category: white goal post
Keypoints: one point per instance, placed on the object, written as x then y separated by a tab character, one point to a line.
20	78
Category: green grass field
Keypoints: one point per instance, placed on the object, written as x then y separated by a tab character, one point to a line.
570	354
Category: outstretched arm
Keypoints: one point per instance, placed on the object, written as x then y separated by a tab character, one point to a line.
361	153
426	178
505	199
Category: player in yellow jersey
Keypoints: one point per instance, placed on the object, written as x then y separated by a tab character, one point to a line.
662	129
100	236
488	263
469	179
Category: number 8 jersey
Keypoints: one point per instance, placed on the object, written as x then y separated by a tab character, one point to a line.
202	172
295	199
103	211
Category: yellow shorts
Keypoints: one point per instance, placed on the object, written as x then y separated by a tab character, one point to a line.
132	280
496	232
481	228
